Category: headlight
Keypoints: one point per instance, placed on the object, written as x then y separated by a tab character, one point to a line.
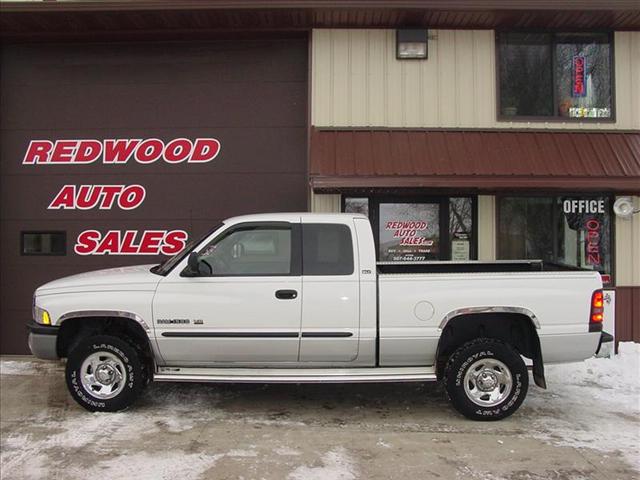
40	315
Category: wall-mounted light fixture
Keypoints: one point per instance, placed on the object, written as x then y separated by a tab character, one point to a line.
411	43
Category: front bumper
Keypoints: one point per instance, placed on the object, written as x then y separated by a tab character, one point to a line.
43	340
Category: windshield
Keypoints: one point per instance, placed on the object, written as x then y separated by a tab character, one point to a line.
168	264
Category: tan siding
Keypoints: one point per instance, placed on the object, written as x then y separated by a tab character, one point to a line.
341	69
325	203
627	236
487	228
485	74
358	82
627	53
394	91
375	81
358	67
322	82
634	85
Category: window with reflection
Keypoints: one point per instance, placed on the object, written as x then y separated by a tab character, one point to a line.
415	228
563	75
566	230
250	251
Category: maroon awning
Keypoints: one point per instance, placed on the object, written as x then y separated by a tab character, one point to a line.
496	159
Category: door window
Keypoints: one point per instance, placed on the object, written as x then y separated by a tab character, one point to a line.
250	251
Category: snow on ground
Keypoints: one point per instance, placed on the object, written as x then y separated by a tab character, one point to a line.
594	404
598	401
26	367
336	465
170	465
99	432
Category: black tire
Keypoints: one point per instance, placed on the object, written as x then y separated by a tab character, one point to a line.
130	367
466	358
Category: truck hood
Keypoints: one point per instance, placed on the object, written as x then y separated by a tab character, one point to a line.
138	277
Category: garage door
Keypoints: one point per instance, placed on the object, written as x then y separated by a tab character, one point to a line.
247	98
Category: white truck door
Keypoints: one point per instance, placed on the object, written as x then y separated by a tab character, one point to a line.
244	307
331	294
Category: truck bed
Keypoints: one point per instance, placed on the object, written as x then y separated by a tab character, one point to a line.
416	301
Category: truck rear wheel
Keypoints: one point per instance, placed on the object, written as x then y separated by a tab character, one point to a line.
486	379
104	373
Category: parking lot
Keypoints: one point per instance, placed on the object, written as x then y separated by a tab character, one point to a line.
588	427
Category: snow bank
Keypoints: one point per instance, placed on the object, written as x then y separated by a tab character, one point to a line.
593	404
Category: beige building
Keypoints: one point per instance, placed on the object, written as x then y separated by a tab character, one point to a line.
528	170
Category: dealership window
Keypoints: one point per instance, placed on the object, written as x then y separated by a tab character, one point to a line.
43	243
565	230
563	75
416	228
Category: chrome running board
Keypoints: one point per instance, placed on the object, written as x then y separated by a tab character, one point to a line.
295	375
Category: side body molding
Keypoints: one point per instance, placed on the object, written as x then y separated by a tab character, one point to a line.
497	309
106	313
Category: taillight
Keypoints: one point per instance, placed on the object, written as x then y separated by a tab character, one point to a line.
597	311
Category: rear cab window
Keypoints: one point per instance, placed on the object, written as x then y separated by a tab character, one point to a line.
327	249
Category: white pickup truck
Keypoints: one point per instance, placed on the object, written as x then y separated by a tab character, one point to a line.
299	298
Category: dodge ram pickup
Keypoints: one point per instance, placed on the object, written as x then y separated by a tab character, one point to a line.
300	298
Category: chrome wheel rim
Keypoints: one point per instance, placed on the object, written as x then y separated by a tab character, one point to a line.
488	382
103	375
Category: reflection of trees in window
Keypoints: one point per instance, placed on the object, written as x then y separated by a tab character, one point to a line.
525	74
525	228
427	212
536	74
539	237
595	51
511	228
356	205
460	215
538	228
409	212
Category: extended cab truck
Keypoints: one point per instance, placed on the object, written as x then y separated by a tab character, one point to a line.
300	298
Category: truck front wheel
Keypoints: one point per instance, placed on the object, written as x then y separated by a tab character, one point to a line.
486	379
104	373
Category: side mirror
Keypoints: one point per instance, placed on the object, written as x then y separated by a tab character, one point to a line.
196	267
192	269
